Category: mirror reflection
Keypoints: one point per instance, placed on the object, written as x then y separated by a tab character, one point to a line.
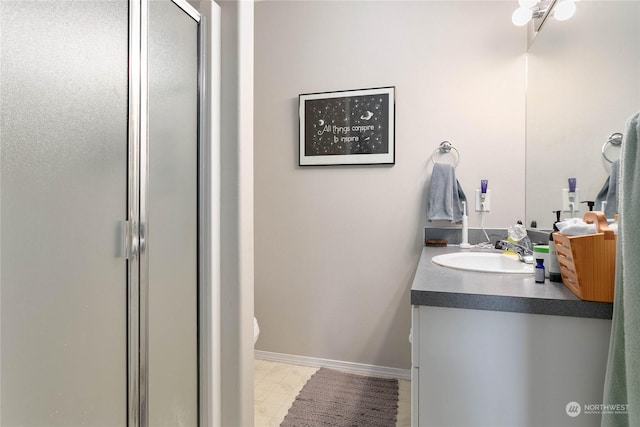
583	83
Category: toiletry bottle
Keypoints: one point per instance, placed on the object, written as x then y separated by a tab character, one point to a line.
590	204
554	267
539	273
542	251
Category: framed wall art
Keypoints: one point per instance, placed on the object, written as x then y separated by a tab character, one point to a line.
347	127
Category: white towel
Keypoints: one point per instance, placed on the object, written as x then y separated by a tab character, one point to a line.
444	201
575	227
622	381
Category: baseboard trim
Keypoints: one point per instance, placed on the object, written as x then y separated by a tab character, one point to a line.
354	368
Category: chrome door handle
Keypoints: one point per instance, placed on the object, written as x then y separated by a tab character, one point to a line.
129	245
142	237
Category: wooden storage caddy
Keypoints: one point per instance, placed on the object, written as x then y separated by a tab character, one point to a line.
588	263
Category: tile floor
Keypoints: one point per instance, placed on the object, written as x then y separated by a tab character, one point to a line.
278	384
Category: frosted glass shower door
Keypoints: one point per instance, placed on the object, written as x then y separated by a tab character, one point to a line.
63	193
172	212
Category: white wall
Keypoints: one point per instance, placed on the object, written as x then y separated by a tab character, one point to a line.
336	247
236	213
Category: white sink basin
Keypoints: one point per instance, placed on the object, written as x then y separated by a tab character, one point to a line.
484	262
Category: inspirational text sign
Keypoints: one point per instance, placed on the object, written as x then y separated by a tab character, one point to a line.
347	127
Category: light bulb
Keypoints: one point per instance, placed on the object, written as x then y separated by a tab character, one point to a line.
521	16
564	10
527	3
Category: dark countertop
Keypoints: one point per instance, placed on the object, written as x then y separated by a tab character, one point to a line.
438	286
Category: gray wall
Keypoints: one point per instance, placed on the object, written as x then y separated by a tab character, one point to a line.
336	247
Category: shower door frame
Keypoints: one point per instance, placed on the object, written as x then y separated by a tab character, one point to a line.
137	193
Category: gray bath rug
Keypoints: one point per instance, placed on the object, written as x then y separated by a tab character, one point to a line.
337	399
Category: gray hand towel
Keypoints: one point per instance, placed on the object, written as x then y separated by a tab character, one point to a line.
609	192
444	201
622	380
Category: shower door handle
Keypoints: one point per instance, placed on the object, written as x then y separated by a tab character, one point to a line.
142	238
129	245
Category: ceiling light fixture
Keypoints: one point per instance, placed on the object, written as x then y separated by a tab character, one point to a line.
564	10
540	9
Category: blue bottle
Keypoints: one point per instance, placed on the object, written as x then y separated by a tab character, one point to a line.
539	270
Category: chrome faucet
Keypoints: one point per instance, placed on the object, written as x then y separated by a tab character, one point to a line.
524	253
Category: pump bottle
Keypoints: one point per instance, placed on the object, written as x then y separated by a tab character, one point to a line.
554	267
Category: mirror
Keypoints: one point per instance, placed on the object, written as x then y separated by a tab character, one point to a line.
583	84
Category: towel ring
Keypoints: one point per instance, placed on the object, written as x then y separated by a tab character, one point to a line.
615	139
444	148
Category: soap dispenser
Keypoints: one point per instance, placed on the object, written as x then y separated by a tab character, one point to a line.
554	267
590	204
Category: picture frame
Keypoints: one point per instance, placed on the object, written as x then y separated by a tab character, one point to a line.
349	127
